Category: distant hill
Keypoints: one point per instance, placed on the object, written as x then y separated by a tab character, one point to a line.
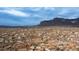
61	22
5	26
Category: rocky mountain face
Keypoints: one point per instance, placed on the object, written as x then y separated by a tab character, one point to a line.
60	22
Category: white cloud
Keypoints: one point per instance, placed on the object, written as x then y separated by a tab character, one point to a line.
36	8
42	8
70	13
73	16
49	8
15	12
64	11
36	15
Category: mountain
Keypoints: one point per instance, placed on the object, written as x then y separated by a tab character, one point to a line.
61	22
52	22
6	26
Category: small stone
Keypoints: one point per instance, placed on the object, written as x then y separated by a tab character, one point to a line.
19	37
6	41
38	47
1	39
46	49
76	33
32	47
10	38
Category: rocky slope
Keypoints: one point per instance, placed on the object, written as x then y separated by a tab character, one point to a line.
61	22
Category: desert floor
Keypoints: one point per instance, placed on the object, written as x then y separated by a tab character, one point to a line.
39	39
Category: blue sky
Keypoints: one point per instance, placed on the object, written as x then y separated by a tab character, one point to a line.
34	15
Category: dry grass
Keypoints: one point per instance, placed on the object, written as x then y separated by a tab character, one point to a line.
39	39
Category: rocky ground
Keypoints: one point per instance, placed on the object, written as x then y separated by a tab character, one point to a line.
39	39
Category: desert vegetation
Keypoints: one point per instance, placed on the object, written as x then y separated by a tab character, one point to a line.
39	39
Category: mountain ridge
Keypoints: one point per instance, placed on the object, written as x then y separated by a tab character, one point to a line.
60	22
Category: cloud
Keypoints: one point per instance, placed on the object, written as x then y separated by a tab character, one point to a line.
73	16
36	15
42	8
63	12
15	12
68	13
36	8
49	8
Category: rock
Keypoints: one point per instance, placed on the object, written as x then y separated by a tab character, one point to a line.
38	47
18	46
6	41
46	49
1	39
19	37
32	47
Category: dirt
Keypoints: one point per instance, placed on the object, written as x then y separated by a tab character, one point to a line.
39	39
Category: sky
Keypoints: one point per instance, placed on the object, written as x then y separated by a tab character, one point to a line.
15	16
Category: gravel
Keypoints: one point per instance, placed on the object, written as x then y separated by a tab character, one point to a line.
39	39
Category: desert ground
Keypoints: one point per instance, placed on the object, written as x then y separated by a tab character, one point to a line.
39	39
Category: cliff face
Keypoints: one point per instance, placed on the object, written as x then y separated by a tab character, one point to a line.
60	22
